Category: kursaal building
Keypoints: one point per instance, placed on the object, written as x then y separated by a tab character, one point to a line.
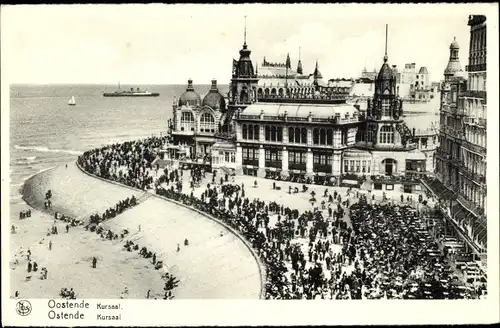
281	121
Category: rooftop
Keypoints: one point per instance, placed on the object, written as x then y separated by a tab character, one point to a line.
299	110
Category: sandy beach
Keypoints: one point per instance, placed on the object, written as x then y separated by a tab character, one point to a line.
210	267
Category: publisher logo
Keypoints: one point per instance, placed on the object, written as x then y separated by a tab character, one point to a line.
23	308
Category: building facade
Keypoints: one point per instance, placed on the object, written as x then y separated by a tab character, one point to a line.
461	156
279	121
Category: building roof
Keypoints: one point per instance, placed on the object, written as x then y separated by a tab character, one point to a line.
423	70
190	97
299	110
214	99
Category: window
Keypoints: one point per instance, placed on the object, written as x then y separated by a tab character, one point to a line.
187	121
322	137
329	137
207	123
316	136
291	135
346	166
358	169
233	158
226	156
244	131
272	155
303	135
268	133
387	134
363	166
256	130
386	107
351	165
296	157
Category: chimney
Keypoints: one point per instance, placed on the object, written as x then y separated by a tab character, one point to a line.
214	85
190	85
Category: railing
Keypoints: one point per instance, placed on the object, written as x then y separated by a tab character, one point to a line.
297	166
325	168
253	162
473	94
475	68
290	100
475	148
276	164
481	122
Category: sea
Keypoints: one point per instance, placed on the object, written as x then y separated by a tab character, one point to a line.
46	132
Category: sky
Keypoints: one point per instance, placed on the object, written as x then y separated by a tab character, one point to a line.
168	44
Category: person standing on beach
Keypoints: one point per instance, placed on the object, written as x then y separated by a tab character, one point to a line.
50	245
178	247
29	266
94	262
67	228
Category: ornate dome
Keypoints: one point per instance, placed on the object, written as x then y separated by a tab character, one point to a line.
454	44
214	99
190	97
385	72
453	66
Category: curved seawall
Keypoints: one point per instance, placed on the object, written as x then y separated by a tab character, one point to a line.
210	267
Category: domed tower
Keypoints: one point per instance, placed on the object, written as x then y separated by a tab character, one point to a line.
243	86
214	99
453	68
386	109
190	97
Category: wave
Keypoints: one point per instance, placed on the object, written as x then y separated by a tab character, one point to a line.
44	149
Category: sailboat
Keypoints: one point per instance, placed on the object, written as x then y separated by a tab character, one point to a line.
72	101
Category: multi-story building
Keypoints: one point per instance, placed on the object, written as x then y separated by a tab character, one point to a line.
461	156
280	121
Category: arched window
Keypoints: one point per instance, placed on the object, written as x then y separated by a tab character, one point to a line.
244	132
187	121
256	130
273	92
266	92
303	136
207	123
273	133
244	95
291	134
316	136
279	136
387	134
268	133
280	92
329	137
260	93
322	137
297	135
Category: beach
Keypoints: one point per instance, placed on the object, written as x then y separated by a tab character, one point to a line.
210	267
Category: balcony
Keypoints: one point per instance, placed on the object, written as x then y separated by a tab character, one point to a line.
474	148
475	68
473	94
297	166
325	168
480	122
276	164
253	162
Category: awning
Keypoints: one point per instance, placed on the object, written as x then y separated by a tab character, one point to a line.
250	167
296	171
351	182
416	156
321	174
272	169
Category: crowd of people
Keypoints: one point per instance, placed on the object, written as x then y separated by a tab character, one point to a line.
129	163
385	253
